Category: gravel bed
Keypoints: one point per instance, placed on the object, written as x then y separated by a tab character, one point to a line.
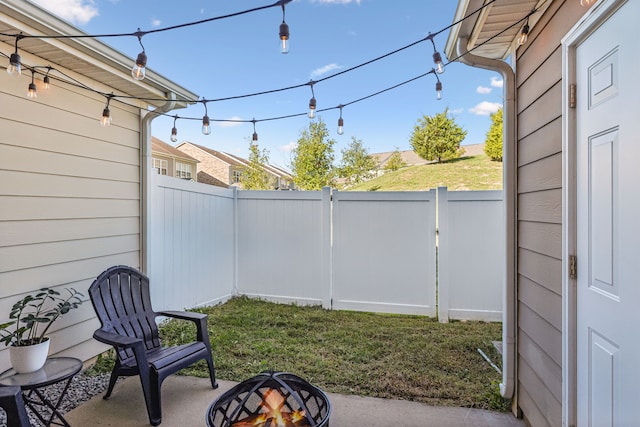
82	388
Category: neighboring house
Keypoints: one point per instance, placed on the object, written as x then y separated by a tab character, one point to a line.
227	168
411	158
168	160
408	156
571	189
73	195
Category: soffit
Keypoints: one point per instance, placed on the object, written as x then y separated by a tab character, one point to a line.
491	32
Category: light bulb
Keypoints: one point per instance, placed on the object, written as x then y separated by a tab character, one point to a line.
312	108
340	126
284	38
174	134
437	58
138	71
106	117
206	126
47	82
524	34
32	93
585	3
438	91
14	69
254	138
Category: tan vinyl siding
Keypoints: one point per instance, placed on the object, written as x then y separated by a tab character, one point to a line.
69	199
539	113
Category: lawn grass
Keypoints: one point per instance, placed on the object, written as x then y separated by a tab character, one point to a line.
477	172
390	356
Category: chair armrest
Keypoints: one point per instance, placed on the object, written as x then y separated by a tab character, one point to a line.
184	315
198	318
115	339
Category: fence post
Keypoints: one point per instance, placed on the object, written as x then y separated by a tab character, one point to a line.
235	240
327	266
444	262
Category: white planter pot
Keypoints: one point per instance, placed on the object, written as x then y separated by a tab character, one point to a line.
29	358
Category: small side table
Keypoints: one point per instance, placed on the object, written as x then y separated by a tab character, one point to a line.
55	370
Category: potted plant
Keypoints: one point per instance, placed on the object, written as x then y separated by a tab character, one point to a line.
31	317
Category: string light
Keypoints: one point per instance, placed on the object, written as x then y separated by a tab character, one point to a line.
340	122
438	88
15	69
284	35
174	130
254	137
106	114
437	58
139	69
32	92
312	101
524	34
46	80
206	125
206	120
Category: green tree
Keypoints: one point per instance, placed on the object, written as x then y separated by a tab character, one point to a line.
312	159
493	143
437	137
395	161
254	176
357	164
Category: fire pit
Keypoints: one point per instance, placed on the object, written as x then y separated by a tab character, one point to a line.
271	399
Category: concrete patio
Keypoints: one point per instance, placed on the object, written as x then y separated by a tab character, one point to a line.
185	401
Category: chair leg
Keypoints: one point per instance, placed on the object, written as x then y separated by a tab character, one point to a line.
112	380
155	407
13	404
212	372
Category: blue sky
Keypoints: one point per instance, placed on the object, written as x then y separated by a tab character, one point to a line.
240	55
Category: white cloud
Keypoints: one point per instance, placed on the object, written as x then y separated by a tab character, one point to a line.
324	70
456	111
76	11
496	82
235	122
289	147
483	90
155	22
485	108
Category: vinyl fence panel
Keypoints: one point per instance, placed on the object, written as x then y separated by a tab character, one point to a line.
283	245
192	261
471	255
384	252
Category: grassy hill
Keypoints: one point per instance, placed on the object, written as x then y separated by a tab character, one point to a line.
476	172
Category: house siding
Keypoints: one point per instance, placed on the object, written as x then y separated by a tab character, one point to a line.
209	164
539	147
69	198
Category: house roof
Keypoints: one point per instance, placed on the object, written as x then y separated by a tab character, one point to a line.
159	146
85	56
408	156
205	178
234	160
491	33
227	158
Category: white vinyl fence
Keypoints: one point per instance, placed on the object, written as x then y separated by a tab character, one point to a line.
366	251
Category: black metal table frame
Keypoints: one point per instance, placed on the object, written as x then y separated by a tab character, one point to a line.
29	390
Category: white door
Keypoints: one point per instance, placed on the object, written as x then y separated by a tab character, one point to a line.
608	222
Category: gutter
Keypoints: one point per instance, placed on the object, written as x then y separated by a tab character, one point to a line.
145	177
510	209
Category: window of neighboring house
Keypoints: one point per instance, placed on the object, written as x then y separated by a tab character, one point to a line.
183	170
160	166
235	177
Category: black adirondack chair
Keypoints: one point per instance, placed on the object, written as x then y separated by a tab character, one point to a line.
13	404
120	297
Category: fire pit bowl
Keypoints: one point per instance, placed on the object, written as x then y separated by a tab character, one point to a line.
271	399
